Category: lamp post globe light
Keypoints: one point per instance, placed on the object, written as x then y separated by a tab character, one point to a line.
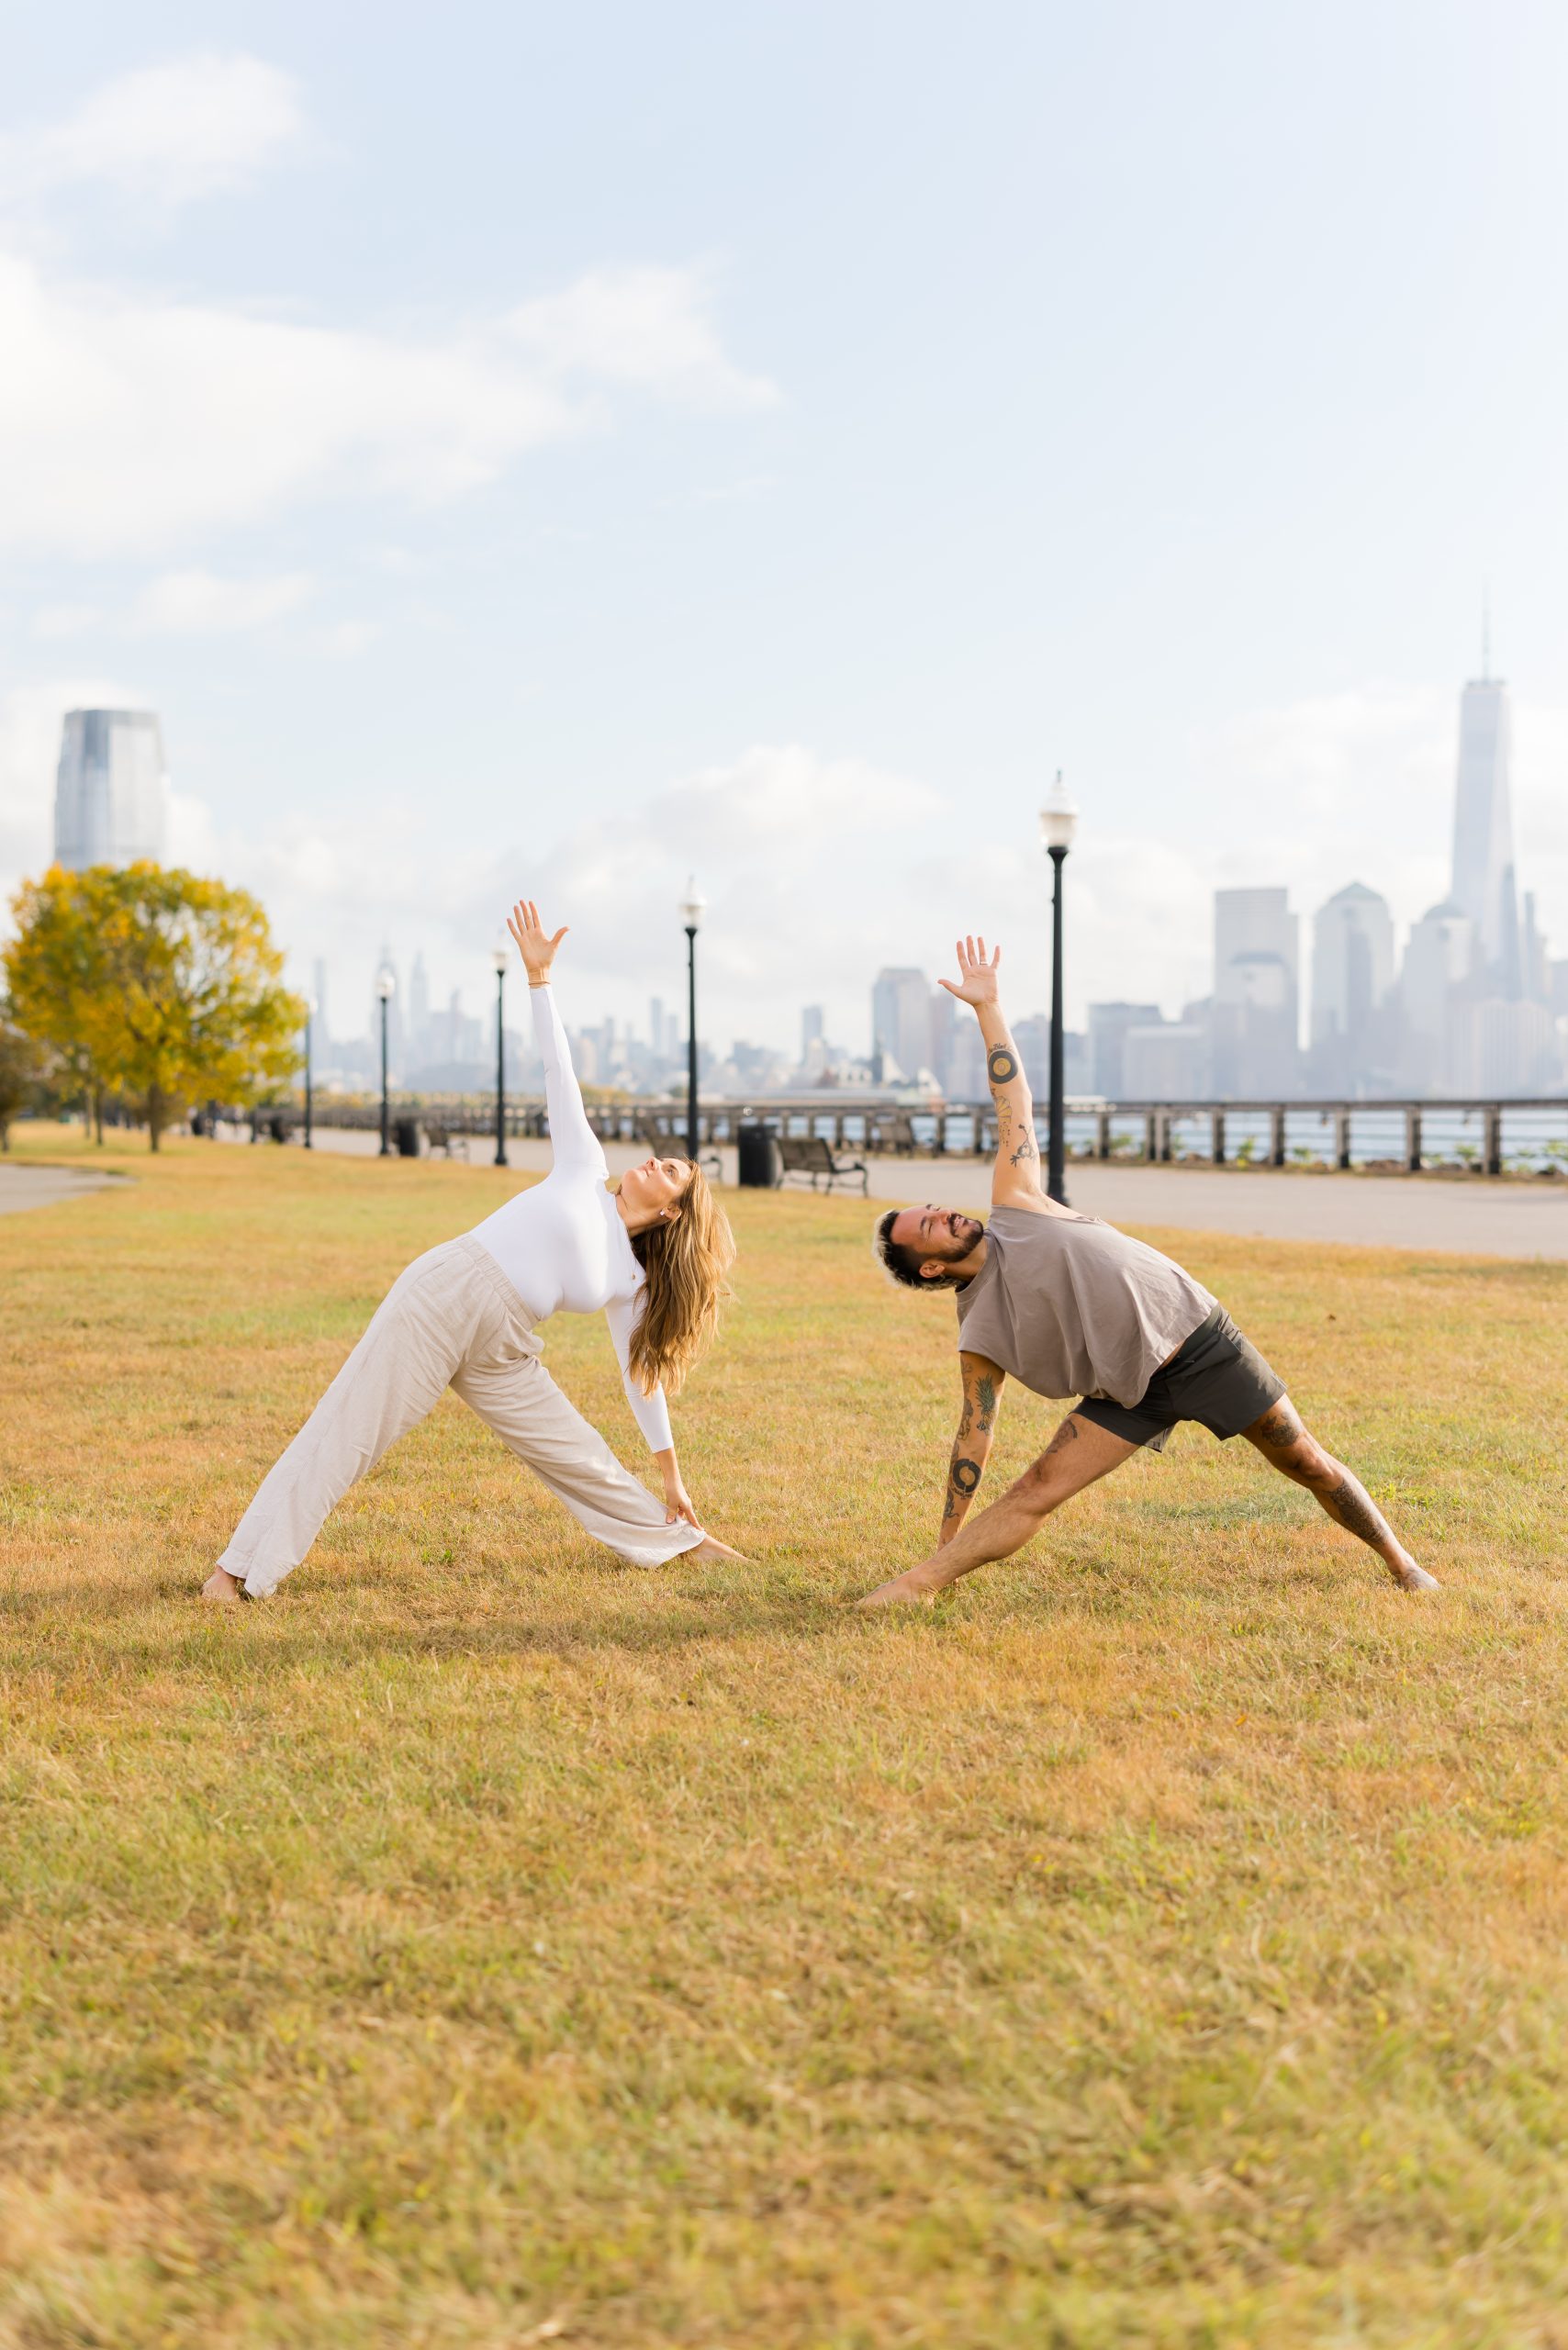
1058	822
499	959
693	906
310	1010
385	988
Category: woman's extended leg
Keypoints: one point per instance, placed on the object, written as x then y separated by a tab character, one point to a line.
517	1398
393	1379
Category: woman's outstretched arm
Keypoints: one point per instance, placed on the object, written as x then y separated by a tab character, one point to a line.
573	1142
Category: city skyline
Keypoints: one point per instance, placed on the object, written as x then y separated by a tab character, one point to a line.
1473	1003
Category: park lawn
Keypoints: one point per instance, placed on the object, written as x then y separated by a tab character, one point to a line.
1164	1942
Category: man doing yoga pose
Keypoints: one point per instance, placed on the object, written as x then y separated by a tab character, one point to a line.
1070	1305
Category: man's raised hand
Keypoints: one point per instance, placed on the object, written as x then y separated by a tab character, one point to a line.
533	943
977	981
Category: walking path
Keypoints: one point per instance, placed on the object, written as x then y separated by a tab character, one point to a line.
1468	1213
40	1187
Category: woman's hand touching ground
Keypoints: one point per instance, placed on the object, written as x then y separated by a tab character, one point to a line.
533	943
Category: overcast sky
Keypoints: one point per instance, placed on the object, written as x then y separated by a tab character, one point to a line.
515	447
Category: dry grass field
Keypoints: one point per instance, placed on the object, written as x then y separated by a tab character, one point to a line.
1164	1942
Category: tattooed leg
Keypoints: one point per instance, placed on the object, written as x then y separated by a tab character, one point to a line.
1079	1452
1286	1444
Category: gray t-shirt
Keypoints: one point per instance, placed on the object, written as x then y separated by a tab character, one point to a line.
1071	1307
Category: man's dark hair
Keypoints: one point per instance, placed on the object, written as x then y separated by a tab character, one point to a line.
902	1264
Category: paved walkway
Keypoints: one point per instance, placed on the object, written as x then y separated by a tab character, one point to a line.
1469	1214
40	1187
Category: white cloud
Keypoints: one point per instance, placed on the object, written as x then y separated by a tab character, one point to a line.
53	622
344	640
168	133
131	421
647	327
195	603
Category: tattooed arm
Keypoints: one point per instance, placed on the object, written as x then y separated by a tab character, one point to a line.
1016	1175
971	1446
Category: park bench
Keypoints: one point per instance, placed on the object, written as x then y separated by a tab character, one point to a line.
895	1133
809	1158
439	1139
657	1131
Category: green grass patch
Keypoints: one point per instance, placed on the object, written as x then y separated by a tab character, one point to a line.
1161	1942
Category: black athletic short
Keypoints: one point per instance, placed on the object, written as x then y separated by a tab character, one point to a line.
1217	1377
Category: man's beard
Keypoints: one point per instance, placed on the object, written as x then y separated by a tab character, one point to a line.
963	1234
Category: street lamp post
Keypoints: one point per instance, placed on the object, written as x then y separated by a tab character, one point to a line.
309	1016
385	988
1058	822
498	958
693	906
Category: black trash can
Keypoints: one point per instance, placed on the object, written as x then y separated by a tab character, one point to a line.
757	1156
407	1133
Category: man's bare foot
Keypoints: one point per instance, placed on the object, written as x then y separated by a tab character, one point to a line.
711	1547
1410	1577
222	1586
919	1584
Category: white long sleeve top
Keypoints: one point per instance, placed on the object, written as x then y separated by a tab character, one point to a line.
562	1244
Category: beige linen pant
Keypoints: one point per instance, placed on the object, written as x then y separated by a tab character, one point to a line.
452	1320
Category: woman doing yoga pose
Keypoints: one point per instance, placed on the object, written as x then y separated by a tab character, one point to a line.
652	1257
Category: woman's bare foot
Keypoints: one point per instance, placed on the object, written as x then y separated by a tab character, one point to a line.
222	1586
709	1548
1409	1576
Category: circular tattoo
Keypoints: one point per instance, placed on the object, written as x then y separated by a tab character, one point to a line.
966	1475
1002	1066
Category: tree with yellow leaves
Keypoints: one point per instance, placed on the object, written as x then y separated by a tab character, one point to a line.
154	983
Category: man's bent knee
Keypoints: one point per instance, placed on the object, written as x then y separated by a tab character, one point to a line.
1307	1462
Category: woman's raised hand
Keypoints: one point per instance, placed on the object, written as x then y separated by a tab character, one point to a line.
533	944
977	981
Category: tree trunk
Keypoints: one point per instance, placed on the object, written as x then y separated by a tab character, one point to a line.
156	1114
98	1112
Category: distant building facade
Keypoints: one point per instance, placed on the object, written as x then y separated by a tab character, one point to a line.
1483	882
111	791
1352	975
901	1023
1166	1062
1255	1013
1108	1026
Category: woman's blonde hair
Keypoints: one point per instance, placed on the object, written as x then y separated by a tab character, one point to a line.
686	1263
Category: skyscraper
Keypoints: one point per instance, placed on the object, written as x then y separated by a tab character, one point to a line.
111	793
1256	1015
1108	1025
1483	885
1352	971
1439	954
901	1020
418	1003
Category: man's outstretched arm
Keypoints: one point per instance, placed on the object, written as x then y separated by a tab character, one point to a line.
1016	1175
971	1446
